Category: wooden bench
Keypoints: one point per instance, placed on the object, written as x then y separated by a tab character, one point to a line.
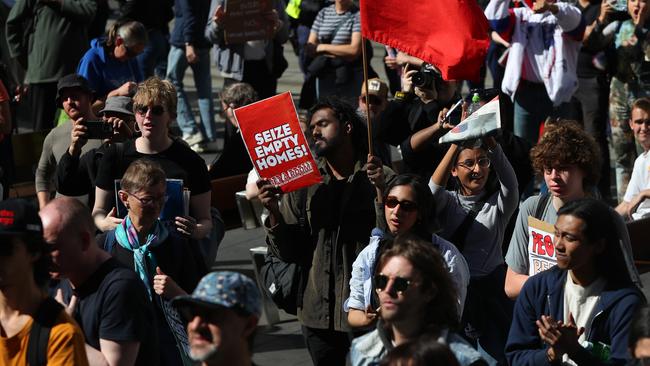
223	198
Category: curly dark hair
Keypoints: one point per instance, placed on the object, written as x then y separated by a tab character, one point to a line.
345	112
565	142
442	309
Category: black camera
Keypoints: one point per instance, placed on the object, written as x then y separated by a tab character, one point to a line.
98	130
427	77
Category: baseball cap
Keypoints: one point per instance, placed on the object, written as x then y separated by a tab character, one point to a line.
375	87
119	104
18	216
71	81
228	289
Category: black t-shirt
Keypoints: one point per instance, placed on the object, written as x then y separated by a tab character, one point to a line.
178	162
113	305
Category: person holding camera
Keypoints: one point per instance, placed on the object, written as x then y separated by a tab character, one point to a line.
424	94
76	172
75	97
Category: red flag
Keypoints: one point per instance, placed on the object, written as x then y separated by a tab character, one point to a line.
450	34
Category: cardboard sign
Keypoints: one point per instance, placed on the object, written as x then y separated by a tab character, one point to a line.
541	246
245	20
484	121
275	143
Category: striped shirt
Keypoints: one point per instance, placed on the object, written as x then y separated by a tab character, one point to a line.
327	21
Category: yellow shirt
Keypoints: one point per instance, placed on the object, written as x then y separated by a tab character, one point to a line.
66	345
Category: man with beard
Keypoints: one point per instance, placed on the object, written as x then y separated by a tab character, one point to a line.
75	97
222	315
324	226
107	300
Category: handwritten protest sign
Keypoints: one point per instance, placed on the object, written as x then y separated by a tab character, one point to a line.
541	247
247	20
276	144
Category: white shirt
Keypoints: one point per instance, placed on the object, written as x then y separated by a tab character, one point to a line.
581	303
639	181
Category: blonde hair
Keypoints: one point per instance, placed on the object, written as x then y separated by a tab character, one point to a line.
142	174
156	91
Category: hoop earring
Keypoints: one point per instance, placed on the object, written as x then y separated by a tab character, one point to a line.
135	127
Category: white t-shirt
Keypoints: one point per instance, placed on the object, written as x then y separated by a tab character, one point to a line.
639	181
581	303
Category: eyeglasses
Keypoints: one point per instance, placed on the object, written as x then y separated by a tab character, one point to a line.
642	122
147	201
156	110
400	284
471	163
407	206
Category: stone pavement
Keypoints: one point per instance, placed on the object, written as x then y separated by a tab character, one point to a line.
279	344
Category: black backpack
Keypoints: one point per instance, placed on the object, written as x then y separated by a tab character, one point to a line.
39	334
285	282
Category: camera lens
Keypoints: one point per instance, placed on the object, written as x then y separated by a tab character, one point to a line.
420	79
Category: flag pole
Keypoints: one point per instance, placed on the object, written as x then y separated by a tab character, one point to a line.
365	80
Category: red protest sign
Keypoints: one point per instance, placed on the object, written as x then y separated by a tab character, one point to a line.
276	144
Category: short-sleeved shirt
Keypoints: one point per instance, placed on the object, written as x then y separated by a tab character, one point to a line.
640	181
65	345
113	305
178	162
518	256
327	21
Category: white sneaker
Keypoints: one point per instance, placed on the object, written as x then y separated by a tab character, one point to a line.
198	148
194	138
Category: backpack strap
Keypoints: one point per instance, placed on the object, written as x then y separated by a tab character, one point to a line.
460	235
39	334
542	203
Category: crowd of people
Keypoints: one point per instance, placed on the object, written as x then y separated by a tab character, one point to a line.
510	248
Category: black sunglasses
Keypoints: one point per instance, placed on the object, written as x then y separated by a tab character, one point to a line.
407	206
400	284
156	110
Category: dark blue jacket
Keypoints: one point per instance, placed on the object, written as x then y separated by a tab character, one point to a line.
543	294
191	17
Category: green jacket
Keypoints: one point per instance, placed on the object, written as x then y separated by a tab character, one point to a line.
58	39
338	226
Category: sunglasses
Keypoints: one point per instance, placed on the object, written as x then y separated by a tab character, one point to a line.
147	201
400	284
373	100
471	163
642	122
156	110
407	206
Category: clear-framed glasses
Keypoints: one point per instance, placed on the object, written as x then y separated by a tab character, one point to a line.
471	163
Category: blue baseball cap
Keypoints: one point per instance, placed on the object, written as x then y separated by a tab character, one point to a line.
228	289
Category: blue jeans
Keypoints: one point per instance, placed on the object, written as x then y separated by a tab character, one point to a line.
532	107
153	58
177	65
